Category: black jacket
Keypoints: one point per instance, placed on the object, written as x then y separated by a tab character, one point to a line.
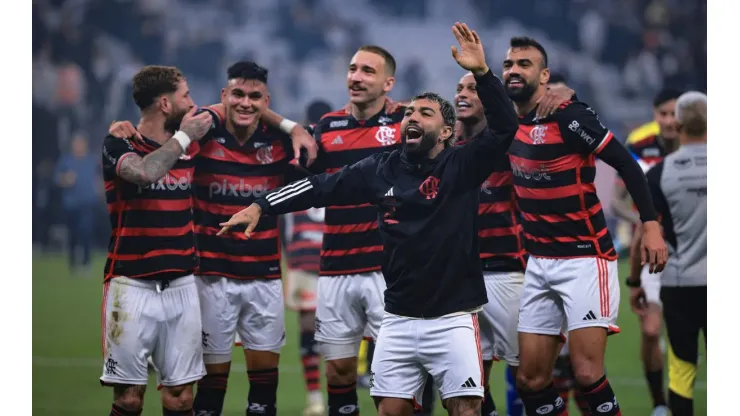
428	212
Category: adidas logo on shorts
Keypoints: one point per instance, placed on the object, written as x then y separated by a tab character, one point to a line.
469	383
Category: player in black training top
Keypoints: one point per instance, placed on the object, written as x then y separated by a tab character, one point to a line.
428	198
571	277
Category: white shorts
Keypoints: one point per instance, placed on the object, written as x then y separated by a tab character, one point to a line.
499	337
301	287
408	349
349	307
252	308
142	321
562	295
651	285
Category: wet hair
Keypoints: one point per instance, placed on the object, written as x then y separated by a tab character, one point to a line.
247	70
153	81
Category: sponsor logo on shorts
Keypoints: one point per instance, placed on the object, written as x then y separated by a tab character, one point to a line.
110	366
204	338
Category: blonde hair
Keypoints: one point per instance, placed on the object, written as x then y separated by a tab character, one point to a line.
691	113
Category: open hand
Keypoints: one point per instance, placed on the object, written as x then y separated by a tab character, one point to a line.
249	216
471	55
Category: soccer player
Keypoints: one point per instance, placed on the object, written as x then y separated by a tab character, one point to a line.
302	233
649	144
679	188
502	253
351	285
150	301
428	198
571	281
239	280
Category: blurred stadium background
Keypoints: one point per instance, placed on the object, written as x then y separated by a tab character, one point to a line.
615	53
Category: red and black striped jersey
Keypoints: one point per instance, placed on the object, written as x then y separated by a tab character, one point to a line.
554	165
228	177
499	226
352	243
151	226
302	233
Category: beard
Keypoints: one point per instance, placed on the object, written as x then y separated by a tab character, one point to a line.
523	93
427	142
172	123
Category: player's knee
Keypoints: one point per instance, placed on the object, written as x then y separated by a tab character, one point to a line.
129	397
261	360
463	406
178	397
131	403
587	374
341	371
531	381
394	407
651	330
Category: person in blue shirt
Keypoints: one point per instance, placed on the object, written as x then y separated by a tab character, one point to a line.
77	173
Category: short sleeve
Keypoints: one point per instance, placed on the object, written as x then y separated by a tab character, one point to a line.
115	150
581	128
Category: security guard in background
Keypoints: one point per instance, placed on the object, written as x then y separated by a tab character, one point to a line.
679	189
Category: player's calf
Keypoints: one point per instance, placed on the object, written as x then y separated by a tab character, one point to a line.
537	354
587	348
177	400
463	406
128	400
262	371
209	398
341	377
652	356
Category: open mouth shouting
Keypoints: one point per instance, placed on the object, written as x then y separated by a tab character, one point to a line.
414	134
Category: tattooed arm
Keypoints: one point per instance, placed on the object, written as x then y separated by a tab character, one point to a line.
150	168
120	158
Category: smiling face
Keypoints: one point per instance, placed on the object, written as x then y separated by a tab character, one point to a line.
468	105
524	73
245	100
368	77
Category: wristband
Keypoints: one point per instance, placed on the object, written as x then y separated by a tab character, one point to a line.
183	139
286	126
631	283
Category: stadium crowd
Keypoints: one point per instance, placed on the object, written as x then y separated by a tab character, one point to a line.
88	59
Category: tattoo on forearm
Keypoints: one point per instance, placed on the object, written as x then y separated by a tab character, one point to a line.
152	167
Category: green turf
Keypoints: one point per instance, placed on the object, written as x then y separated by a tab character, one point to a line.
67	359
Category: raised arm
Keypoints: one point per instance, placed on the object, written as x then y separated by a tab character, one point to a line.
477	156
351	185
